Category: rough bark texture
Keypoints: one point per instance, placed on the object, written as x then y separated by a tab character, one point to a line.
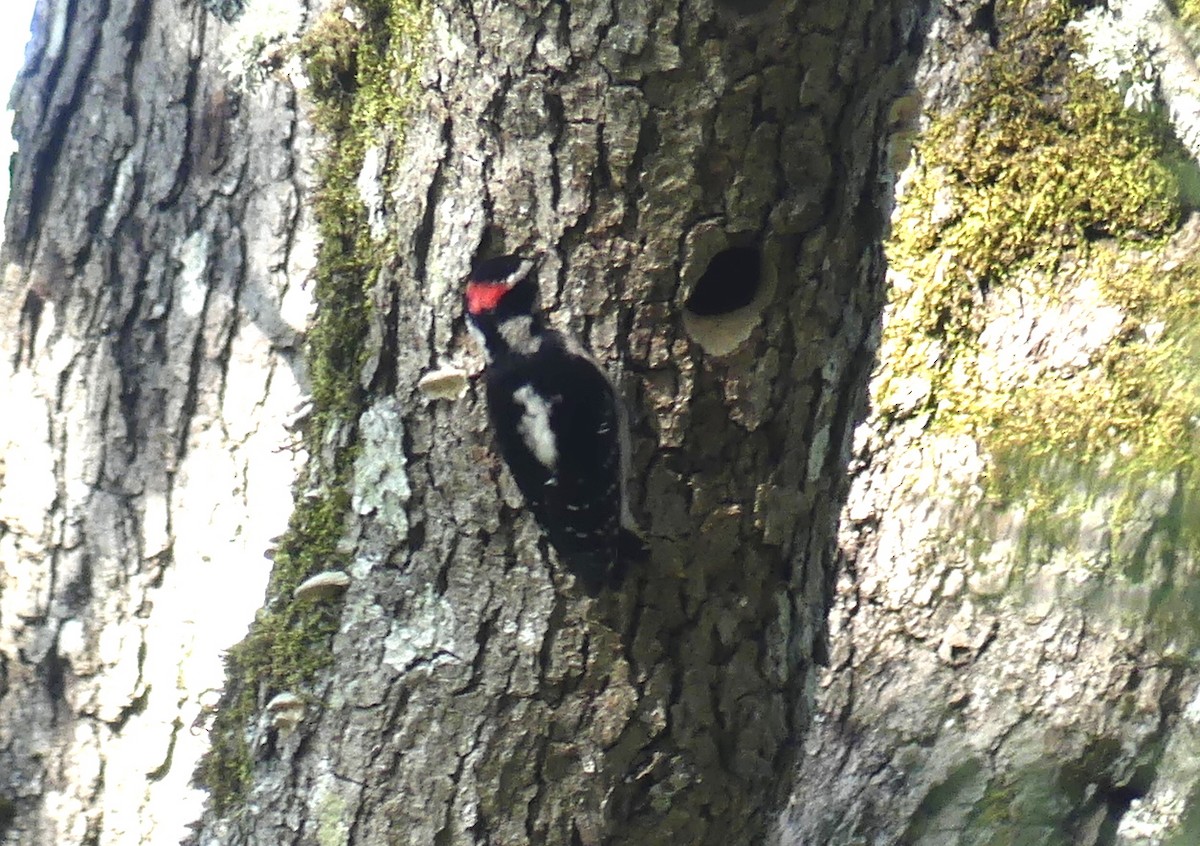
474	697
156	244
155	253
1016	669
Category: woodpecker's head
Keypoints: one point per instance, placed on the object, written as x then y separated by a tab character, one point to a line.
501	287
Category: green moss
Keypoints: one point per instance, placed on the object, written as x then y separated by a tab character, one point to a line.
360	81
1043	187
287	646
1037	172
1188	12
1039	163
8	814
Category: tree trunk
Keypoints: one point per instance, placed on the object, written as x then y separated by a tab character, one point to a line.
473	695
461	691
1014	634
156	253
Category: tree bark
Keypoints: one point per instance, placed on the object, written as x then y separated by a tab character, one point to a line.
1018	667
156	250
473	696
158	238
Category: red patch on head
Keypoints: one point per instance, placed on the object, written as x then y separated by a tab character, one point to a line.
485	296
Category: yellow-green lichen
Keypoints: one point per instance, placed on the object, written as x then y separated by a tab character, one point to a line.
360	64
1041	161
1188	12
1040	187
333	819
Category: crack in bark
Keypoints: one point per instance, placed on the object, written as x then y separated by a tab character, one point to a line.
45	159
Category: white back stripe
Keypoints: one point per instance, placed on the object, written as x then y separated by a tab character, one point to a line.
535	426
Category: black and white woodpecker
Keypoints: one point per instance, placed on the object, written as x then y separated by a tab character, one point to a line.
558	423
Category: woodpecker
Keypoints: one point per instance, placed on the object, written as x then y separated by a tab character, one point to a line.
557	421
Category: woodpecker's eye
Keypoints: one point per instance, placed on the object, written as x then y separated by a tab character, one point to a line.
499	269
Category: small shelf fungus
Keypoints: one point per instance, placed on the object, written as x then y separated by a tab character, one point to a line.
322	586
727	300
444	383
285	710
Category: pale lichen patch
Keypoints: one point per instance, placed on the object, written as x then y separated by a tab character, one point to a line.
192	287
261	28
427	637
380	485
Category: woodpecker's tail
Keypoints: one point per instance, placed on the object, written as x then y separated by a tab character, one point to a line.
592	571
631	550
599	569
